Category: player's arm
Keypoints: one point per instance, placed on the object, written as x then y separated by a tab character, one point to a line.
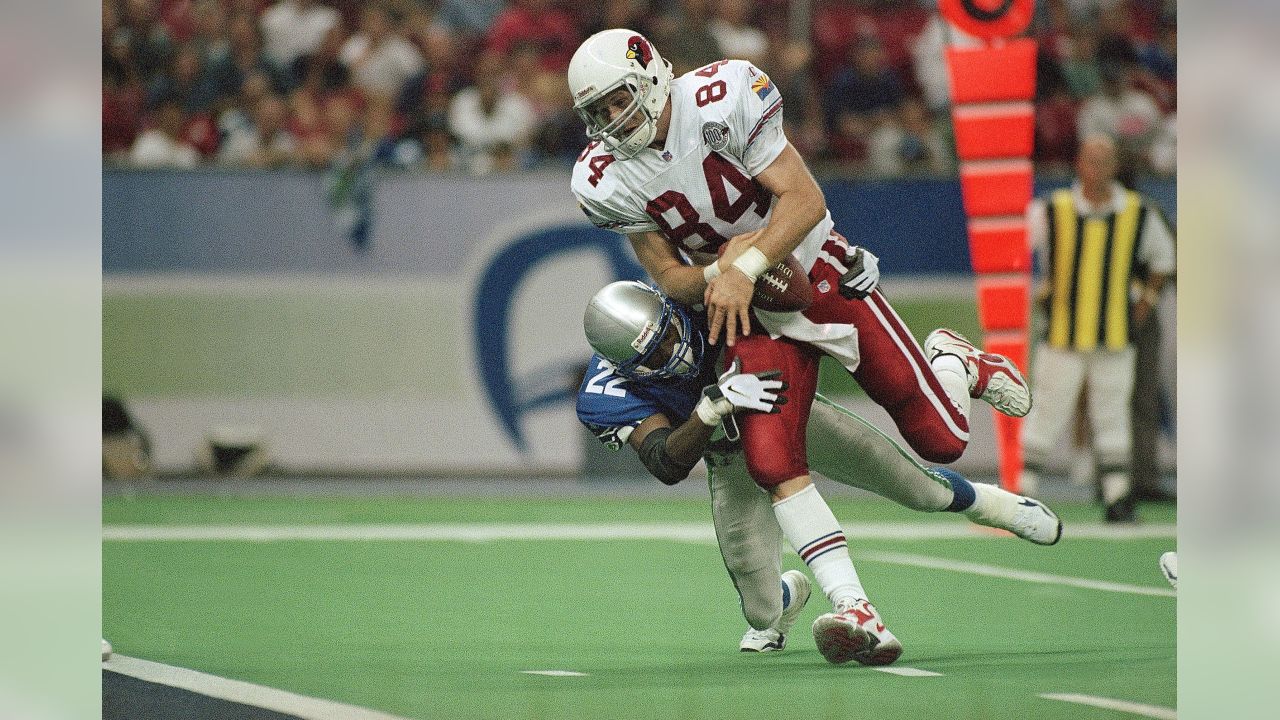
683	283
800	206
670	454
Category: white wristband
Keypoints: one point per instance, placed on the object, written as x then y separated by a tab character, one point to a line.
706	412
752	263
711	272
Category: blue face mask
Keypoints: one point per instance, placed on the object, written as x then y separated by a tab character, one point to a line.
686	356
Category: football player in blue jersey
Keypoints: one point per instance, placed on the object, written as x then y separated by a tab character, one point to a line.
653	385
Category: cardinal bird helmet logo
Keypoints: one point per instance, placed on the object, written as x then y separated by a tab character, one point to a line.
638	49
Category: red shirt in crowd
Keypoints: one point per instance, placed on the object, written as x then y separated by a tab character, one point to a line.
550	30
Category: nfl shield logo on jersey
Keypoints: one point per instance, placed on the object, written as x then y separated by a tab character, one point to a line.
716	134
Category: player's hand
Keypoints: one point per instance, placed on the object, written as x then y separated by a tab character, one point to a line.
736	390
863	274
728	301
736	245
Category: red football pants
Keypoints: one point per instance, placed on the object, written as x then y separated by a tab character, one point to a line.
892	370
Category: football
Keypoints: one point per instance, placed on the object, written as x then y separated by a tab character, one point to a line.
783	288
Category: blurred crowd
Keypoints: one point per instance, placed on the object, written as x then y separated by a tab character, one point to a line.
479	85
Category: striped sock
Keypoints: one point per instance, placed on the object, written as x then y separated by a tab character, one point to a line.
811	528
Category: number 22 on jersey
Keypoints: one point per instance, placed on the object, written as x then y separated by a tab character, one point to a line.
610	388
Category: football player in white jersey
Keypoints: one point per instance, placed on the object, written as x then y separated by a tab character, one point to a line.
684	166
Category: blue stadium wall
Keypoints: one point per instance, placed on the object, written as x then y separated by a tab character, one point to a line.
263	222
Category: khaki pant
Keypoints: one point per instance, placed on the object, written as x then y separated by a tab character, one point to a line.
1058	376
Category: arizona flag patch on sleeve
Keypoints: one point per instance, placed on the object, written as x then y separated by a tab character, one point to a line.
762	85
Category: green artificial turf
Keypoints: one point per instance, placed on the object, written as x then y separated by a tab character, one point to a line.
443	629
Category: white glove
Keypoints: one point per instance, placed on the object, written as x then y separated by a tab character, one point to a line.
736	390
863	274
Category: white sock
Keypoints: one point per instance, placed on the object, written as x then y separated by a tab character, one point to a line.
815	534
954	379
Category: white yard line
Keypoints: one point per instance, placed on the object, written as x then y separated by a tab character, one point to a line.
936	563
1151	711
908	671
237	691
555	673
699	532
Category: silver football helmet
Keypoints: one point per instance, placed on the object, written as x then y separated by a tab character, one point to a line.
626	323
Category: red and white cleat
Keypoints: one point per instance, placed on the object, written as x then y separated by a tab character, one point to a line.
992	377
855	632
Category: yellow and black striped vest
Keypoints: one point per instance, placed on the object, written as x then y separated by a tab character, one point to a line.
1091	265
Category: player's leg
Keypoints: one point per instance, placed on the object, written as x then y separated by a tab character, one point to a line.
750	544
852	451
846	448
776	455
1057	377
990	377
895	373
1110	388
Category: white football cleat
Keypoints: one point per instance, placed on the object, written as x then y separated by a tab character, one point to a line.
855	632
775	638
1025	517
762	641
993	378
1169	566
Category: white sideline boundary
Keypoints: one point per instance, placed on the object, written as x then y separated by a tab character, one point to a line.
244	693
935	563
1151	711
696	532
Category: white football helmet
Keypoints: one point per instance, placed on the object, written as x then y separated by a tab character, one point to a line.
613	59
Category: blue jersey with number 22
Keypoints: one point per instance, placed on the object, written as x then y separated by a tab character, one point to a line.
611	406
